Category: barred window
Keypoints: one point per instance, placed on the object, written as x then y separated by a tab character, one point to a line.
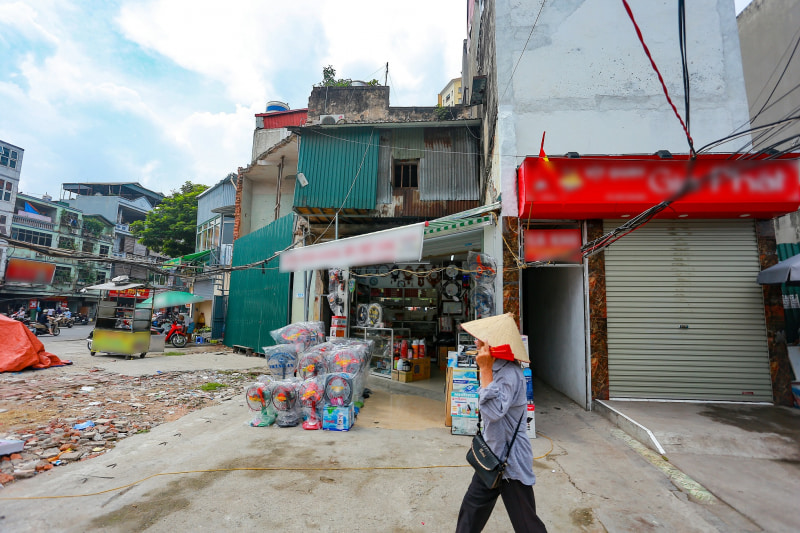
33	237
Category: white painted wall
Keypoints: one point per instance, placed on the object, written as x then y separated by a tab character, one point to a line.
553	318
585	80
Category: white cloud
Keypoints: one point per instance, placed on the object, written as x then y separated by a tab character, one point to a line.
24	18
72	83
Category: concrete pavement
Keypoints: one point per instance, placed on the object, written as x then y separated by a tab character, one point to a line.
399	469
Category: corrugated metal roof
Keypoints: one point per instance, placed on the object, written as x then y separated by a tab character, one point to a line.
449	170
341	168
222	195
283	119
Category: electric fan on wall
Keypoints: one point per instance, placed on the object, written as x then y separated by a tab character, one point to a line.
482	267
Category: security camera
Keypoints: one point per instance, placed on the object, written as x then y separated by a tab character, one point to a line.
302	179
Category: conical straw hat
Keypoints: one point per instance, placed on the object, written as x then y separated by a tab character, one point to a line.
498	330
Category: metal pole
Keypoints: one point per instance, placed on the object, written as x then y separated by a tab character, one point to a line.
278	194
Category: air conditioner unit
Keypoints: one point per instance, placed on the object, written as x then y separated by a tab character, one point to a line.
330	119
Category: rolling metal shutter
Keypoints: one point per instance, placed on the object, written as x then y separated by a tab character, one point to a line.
685	314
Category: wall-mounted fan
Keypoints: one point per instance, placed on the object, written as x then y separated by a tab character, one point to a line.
451	271
482	267
338	389
451	290
482	301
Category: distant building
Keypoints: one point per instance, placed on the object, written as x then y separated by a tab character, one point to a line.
121	203
451	94
37	279
10	167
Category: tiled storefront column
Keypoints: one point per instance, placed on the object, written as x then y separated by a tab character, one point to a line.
598	325
779	367
511	274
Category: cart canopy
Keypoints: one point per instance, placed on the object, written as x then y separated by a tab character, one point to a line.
21	348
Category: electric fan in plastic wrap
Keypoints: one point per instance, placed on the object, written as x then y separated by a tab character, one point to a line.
312	364
281	359
284	398
346	360
259	399
362	315
482	302
338	389
310	396
482	267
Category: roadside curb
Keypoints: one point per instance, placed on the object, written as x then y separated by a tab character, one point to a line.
630	426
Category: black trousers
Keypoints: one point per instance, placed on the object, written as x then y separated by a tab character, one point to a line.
478	503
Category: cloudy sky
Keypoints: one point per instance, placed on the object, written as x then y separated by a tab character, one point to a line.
164	91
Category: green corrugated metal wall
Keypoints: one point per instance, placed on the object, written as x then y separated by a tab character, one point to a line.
330	160
785	251
258	301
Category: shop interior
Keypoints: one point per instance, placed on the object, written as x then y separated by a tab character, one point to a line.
412	312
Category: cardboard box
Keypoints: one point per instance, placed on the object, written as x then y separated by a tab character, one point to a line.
335	418
464	425
404	377
465	380
395	377
464	404
421	368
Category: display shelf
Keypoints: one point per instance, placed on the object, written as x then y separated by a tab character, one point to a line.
382	354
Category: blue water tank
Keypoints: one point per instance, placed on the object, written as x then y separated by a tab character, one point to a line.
275	106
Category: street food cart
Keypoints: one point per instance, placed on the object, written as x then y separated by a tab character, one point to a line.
124	315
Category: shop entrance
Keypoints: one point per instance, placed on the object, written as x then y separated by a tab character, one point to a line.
553	312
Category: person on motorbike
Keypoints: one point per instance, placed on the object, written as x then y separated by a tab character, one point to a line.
44	320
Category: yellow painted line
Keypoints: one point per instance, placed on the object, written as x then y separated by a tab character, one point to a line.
688	485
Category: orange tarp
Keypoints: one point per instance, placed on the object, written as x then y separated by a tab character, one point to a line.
21	349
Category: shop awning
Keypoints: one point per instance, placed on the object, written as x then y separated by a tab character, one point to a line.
446	227
196	257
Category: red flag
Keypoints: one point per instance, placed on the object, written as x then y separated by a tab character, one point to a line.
543	155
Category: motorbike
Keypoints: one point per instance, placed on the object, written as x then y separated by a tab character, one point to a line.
63	321
81	319
40	329
177	334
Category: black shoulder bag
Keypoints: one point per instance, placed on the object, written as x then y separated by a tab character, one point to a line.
486	464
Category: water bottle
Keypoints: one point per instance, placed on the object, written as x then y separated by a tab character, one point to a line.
528	383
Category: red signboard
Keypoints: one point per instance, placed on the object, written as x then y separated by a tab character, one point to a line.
140	294
624	186
553	245
27	271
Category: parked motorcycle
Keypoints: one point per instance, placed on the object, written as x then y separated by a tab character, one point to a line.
81	319
177	334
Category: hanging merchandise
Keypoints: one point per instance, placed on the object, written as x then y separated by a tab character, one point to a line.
284	398
337	291
451	272
374	314
395	273
362	316
482	301
306	334
310	396
259	399
282	359
421	274
483	268
433	276
338	389
451	290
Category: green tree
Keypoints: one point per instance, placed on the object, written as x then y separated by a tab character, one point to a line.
171	227
329	79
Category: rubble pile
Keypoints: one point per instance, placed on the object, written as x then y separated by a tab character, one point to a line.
75	417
